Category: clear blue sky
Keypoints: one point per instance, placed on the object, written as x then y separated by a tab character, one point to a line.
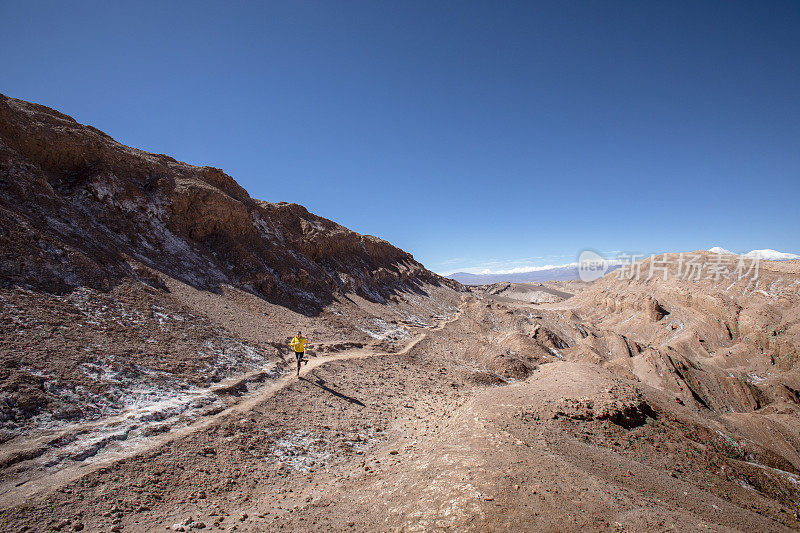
470	134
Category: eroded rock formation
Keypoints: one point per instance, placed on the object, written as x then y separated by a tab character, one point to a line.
80	209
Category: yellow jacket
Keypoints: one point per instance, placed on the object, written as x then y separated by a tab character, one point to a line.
299	344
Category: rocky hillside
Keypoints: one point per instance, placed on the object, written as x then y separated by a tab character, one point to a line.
80	209
721	342
724	345
133	283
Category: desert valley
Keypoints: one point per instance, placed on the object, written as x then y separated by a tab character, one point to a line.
146	382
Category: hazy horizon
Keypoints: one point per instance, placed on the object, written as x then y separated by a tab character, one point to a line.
527	265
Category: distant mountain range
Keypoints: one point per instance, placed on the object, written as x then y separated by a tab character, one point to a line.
570	271
557	273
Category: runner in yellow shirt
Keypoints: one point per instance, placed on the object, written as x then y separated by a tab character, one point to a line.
299	345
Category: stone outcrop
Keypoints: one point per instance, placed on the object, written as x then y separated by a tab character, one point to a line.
80	209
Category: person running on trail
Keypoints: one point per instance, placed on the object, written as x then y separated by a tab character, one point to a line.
299	344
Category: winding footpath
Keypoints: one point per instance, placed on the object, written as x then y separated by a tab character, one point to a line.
20	486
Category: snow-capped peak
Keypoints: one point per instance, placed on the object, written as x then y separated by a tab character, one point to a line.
720	250
767	254
771	255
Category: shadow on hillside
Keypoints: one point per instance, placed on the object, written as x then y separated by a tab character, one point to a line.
312	304
113	271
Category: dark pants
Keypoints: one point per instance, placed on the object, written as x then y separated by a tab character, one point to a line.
299	356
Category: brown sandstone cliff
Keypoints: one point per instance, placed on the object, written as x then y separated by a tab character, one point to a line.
80	209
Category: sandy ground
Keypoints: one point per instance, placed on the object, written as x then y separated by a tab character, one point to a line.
414	440
535	293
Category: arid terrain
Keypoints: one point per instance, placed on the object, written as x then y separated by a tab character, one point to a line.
146	383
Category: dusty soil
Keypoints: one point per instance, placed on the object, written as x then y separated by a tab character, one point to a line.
536	293
417	440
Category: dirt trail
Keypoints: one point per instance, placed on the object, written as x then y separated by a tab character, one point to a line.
411	441
19	488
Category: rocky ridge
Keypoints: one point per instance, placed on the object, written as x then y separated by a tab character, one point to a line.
80	209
